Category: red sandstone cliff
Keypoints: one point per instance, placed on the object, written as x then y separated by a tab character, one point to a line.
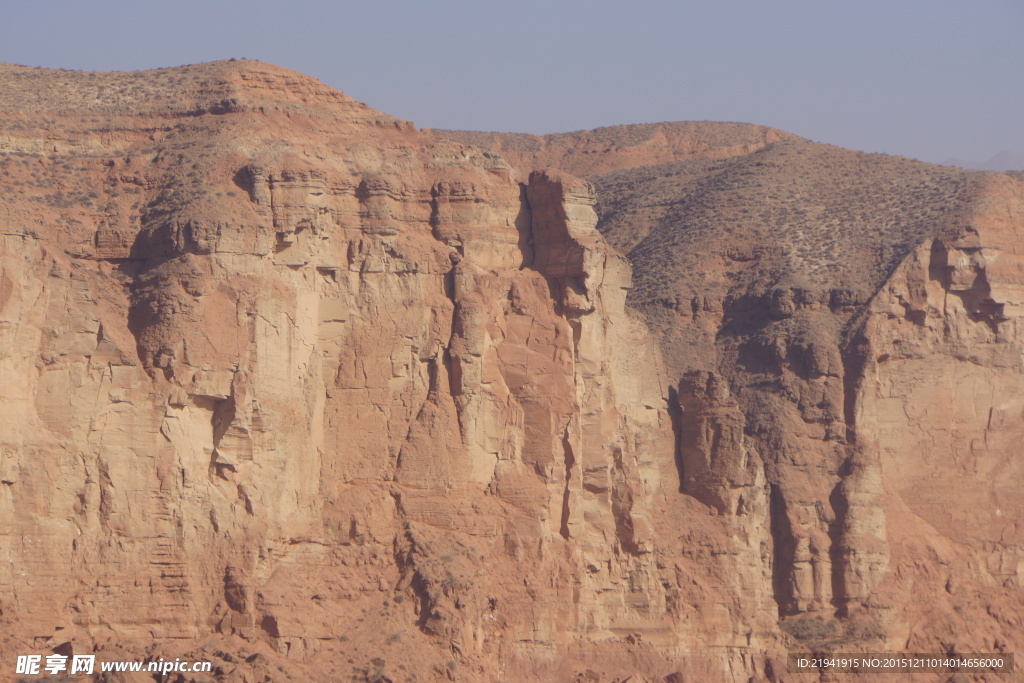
843	328
295	387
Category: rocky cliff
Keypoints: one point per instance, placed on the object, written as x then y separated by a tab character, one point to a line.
295	387
841	330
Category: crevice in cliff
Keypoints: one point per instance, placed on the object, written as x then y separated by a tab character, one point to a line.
435	216
453	365
424	603
622	504
854	356
577	333
432	386
675	414
570	461
454	370
784	546
837	555
524	226
221	419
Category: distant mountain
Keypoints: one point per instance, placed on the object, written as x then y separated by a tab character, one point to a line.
1006	160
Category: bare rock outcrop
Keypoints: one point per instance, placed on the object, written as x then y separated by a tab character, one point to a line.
839	331
295	387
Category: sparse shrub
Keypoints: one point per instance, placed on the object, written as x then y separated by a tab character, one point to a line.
811	628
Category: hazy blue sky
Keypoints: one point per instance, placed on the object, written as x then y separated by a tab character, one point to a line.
930	79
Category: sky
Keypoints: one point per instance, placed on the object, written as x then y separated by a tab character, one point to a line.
928	79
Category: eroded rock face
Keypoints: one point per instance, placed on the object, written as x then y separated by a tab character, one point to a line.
288	378
840	331
888	430
941	413
293	386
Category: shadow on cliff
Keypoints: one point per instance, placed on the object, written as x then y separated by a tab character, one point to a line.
675	414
